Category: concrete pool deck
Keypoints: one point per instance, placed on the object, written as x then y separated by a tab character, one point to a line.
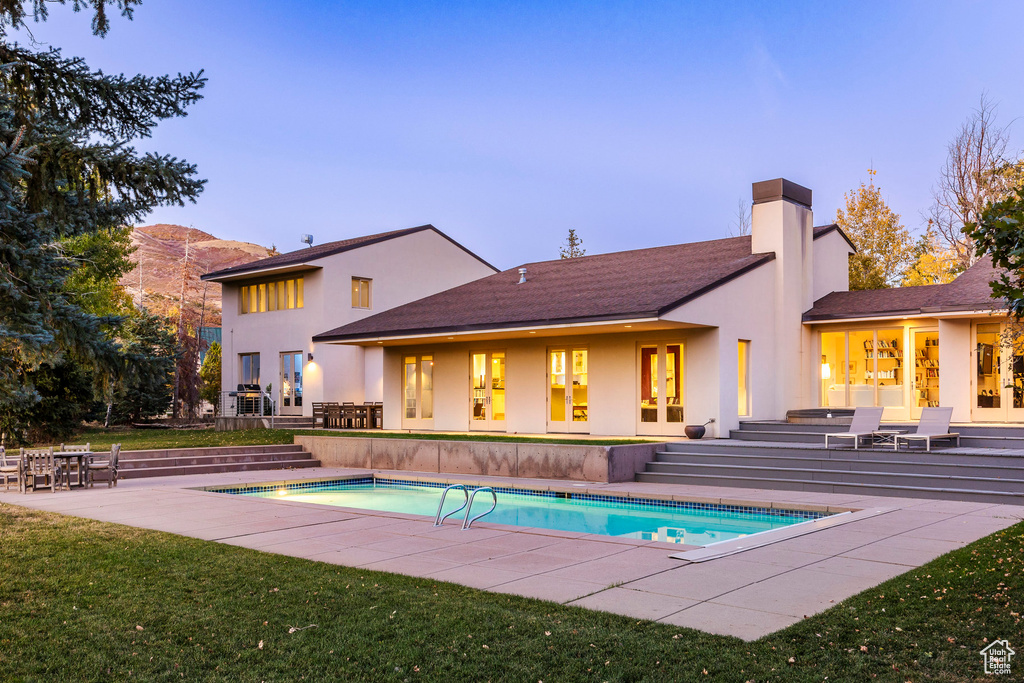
747	595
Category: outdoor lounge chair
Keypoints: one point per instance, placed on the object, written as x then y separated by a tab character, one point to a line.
865	422
110	466
10	469
934	425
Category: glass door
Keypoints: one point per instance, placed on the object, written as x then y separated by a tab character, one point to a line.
418	392
925	372
291	383
568	390
998	381
660	408
487	402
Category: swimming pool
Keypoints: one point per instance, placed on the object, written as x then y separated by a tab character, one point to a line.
643	519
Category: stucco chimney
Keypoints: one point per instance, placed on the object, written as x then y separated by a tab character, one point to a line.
782	223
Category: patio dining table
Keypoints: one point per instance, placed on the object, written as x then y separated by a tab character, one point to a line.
83	458
366	416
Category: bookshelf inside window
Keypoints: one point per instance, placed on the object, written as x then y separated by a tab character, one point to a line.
926	369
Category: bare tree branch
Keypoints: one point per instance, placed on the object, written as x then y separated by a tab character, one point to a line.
971	178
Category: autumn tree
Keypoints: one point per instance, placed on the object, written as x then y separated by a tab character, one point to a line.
884	247
933	262
573	247
978	172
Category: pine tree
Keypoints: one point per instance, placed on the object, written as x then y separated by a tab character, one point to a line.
68	171
209	373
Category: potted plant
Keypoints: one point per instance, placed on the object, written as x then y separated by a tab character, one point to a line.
696	431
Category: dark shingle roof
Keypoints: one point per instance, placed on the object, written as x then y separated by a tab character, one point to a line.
627	284
329	249
968	292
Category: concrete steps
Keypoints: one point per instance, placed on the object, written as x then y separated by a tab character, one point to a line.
996	477
971	436
181	461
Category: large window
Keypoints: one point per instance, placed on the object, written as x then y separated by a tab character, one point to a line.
272	296
250	368
361	292
862	368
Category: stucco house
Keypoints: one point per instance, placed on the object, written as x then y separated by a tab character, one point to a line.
639	342
631	343
273	307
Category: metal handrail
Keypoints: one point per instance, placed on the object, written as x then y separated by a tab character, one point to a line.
438	519
469	506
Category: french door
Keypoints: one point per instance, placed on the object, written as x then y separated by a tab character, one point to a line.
291	383
487	400
568	388
924	371
660	408
997	383
418	392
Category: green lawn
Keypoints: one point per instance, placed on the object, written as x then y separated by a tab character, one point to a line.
139	439
87	600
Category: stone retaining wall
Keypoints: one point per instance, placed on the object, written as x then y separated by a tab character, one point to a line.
535	460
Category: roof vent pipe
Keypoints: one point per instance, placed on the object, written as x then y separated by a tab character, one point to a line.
522	276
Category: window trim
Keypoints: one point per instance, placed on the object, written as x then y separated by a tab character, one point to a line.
368	281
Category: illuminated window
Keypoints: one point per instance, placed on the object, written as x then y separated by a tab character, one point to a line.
361	292
272	296
743	377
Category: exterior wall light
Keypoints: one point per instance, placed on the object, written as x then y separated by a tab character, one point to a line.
309	357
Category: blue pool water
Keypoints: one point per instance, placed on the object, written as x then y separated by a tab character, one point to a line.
672	522
690	523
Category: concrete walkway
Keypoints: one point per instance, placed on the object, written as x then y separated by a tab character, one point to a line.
747	595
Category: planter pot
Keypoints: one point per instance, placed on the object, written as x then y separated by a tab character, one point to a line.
694	431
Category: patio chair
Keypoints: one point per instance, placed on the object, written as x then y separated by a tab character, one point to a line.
332	416
10	469
865	421
110	465
933	425
39	462
348	415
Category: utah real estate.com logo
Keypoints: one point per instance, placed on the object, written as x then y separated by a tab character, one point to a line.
997	657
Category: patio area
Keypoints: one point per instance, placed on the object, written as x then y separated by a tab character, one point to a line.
747	595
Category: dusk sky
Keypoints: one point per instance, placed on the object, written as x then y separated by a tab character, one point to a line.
505	124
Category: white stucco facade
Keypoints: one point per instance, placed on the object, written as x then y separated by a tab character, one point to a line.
760	307
765	335
400	269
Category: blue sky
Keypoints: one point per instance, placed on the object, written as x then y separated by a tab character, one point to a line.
505	124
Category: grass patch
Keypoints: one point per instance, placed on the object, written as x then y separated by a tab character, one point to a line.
95	601
142	439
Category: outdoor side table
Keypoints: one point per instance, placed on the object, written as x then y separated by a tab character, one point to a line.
886	437
80	456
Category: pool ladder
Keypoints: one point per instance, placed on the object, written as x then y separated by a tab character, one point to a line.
467	505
